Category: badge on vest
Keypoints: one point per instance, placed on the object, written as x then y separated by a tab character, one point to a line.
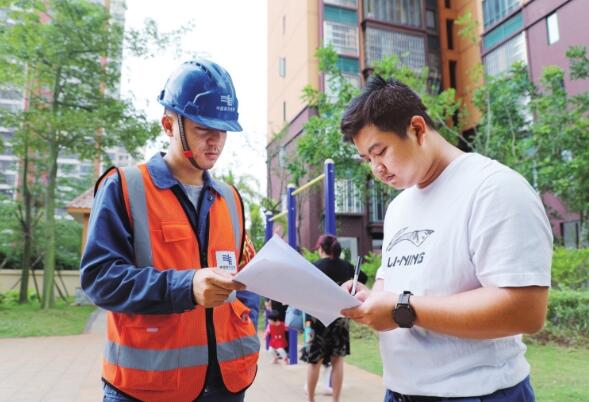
226	261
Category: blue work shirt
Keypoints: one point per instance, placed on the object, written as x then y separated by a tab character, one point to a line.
108	272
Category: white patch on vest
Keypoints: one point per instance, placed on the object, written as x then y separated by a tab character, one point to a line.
226	261
152	329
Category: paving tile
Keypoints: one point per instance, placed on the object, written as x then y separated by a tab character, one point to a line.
67	369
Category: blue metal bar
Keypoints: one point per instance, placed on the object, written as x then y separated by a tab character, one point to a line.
268	236
269	226
291	206
329	191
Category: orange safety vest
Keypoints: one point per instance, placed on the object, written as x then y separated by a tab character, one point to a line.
164	357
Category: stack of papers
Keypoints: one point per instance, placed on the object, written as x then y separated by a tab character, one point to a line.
279	273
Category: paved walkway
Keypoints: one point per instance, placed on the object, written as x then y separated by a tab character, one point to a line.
67	369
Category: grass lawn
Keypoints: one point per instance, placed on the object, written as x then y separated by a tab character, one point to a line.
29	320
558	373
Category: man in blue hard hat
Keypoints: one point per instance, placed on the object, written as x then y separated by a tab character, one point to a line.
164	241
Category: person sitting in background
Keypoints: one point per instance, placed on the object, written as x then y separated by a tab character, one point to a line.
275	330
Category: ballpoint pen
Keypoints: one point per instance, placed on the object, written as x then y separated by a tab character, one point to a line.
356	273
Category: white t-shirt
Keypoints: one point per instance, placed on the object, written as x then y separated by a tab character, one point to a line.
478	224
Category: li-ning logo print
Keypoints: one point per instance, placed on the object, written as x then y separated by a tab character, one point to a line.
417	238
227	99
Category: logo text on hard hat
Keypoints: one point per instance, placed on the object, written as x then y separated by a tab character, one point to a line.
227	99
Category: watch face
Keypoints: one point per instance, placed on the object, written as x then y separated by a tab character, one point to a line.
404	317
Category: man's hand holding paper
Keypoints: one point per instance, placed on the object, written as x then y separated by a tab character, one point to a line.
280	273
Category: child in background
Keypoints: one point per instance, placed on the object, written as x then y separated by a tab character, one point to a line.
275	330
309	335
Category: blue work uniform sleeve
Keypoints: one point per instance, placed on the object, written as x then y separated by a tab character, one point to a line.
252	300
108	274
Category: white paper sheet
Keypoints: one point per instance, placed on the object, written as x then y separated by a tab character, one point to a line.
280	273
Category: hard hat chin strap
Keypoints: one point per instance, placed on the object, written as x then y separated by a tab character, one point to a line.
187	151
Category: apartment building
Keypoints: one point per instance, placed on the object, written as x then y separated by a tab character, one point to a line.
420	32
361	32
538	33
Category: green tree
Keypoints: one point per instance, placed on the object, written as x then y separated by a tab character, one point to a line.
504	131
248	185
67	55
257	227
561	135
442	107
322	137
539	129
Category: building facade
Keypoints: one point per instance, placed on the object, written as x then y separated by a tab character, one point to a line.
538	33
422	33
361	32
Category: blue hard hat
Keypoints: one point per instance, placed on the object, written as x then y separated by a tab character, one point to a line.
203	92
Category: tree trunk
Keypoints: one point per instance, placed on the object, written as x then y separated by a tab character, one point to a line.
49	263
26	228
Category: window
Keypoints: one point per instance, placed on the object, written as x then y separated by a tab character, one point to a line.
349	65
377	246
345	3
409	47
341	15
434	79
447	4
284	25
552	28
332	86
452	73
431	20
284	111
10	93
379	198
501	59
403	12
282	66
433	4
11	105
495	10
348	198
349	248
503	31
343	37
570	234
433	43
450	34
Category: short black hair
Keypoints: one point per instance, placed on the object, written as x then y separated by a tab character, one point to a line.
387	104
273	315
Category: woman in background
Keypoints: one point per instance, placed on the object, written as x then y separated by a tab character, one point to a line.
329	344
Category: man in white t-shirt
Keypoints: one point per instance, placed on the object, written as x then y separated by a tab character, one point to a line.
465	259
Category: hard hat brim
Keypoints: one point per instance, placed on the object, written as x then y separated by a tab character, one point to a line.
215	124
208	122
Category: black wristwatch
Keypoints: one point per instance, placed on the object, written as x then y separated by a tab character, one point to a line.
403	313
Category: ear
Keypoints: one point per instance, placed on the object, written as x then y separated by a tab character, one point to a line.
168	125
419	128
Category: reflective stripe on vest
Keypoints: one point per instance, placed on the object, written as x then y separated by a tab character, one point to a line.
238	348
227	194
155	359
137	203
170	359
138	206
